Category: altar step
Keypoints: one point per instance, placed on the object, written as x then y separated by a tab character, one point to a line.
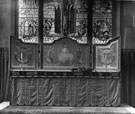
5	108
4	105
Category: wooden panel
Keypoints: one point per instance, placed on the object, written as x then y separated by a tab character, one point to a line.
23	56
107	57
66	54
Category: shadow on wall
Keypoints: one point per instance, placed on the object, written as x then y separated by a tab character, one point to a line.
129	38
4	23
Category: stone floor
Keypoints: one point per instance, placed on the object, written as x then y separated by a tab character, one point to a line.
123	109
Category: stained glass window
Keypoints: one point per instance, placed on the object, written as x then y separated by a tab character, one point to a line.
52	21
28	21
65	18
102	21
61	18
79	26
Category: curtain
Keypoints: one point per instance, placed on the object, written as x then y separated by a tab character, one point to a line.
65	92
4	75
128	76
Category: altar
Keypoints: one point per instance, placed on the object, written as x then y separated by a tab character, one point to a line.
66	87
56	59
65	91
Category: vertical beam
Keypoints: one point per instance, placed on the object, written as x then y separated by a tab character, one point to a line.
89	28
89	12
122	24
40	28
65	17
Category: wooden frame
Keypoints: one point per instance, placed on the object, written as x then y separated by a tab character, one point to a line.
22	56
66	54
107	56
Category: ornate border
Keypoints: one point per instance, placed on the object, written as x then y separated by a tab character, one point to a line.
109	59
21	52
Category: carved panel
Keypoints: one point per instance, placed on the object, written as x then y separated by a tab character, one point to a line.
107	57
66	54
23	56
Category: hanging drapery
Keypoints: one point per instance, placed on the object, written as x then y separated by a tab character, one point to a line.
4	75
128	76
65	92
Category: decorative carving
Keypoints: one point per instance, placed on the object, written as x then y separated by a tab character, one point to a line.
108	57
22	55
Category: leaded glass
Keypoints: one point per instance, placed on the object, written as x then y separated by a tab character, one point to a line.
52	21
65	18
79	25
102	21
28	21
